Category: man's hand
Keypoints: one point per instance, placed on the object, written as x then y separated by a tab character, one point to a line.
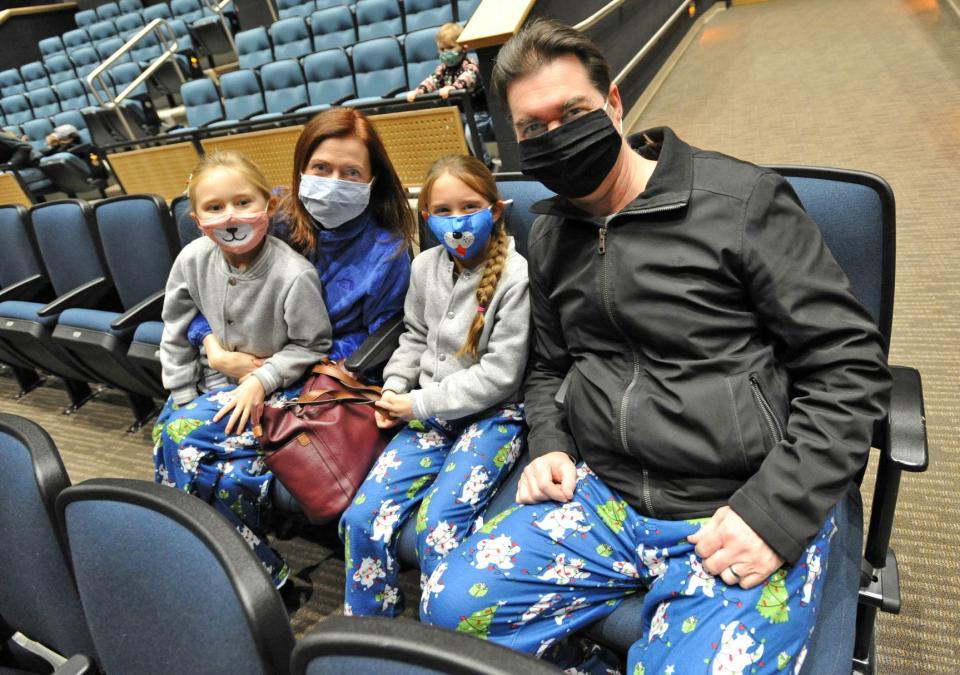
384	419
552	476
398	406
727	541
247	396
236	365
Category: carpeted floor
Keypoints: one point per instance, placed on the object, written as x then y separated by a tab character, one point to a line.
873	85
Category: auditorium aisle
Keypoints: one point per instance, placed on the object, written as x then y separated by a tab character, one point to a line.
871	85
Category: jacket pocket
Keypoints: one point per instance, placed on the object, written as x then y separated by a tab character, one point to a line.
560	398
772	425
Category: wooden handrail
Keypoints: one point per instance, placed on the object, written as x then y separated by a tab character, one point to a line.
38	9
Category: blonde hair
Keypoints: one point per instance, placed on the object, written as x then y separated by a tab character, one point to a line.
448	33
227	159
475	175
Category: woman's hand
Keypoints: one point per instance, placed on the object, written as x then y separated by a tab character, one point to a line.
396	406
236	365
247	396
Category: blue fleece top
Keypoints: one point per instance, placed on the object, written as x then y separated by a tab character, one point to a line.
364	273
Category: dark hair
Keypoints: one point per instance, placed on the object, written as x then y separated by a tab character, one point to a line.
540	42
388	199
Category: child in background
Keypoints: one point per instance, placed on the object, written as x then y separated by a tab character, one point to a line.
260	297
455	379
456	71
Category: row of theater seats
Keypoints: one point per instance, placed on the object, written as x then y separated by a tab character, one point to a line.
372	70
69	271
421	12
96	571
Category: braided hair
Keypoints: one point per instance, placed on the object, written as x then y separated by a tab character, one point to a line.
478	178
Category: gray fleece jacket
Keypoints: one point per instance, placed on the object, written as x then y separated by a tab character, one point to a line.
273	309
437	314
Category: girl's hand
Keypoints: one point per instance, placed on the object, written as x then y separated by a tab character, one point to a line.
411	95
397	406
247	396
236	365
445	91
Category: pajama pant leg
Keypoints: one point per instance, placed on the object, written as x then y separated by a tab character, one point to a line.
475	467
535	573
227	472
369	526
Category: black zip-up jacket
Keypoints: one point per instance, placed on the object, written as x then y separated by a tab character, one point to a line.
702	348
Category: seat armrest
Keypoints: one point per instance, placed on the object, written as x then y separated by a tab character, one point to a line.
394	92
87	295
148	309
374	352
80	664
296	106
26	289
342	99
906	421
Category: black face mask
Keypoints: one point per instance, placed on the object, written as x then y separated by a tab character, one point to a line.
573	159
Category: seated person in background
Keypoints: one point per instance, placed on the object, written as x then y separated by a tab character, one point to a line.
456	72
66	138
15	151
260	297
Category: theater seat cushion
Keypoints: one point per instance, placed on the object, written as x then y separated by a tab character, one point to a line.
149	332
93	319
26	311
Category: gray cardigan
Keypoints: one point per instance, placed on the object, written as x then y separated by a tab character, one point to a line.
273	309
437	315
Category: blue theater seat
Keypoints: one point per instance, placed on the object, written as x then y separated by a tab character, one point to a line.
109	10
424	13
465	9
137	241
85	59
289	8
420	48
16	109
202	102
378	70
74	95
333	27
253	48
11	83
34	75
68	251
50	46
85	17
130	6
242	97
129	24
158	11
291	38
187	11
60	68
44	102
284	89
74	39
151	537
101	30
329	79
378	18
76	119
37	131
106	48
38	595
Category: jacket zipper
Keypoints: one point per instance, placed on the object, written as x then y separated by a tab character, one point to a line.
644	479
773	423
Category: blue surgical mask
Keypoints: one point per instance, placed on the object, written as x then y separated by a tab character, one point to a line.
464	236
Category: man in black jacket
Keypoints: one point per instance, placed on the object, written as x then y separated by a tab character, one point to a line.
699	352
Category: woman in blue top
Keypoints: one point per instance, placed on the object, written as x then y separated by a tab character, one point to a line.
348	214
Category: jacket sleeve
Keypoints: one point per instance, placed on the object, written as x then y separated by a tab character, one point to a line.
199	329
497	373
549	364
432	82
835	358
402	372
386	299
308	331
179	360
469	76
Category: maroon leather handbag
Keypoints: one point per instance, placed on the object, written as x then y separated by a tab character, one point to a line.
321	444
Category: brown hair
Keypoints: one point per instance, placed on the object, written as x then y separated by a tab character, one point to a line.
540	42
448	33
474	173
388	199
227	159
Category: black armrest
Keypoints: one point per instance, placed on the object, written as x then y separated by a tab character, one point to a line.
148	309
86	295
81	664
26	289
394	92
341	100
294	107
906	422
375	351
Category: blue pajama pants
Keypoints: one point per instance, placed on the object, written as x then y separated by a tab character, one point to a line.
192	453
451	469
535	573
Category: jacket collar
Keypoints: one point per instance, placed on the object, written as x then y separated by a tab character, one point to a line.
669	186
329	240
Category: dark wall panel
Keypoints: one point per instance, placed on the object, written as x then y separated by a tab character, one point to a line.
19	35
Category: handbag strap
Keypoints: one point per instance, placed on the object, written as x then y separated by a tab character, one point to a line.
347	380
332	396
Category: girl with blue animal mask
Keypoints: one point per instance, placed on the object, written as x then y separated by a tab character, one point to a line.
454	382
